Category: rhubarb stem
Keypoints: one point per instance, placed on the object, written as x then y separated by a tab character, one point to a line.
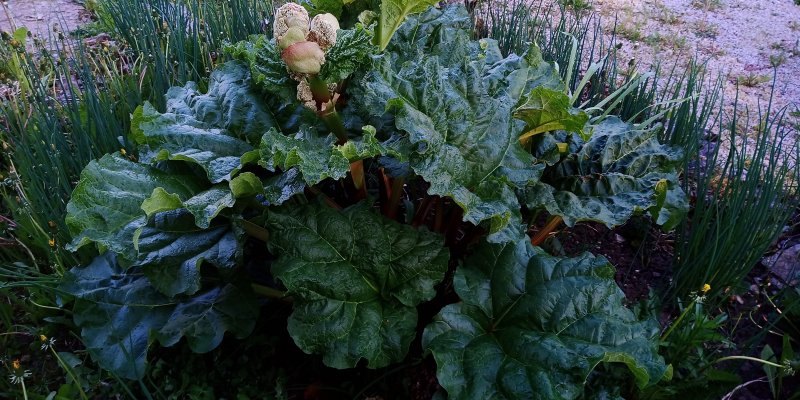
394	200
333	121
255	231
269	292
551	225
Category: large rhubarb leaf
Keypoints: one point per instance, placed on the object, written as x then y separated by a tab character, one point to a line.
534	326
105	206
120	313
213	129
172	248
453	98
356	279
611	177
159	220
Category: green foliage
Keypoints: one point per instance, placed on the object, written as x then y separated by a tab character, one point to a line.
105	206
348	54
549	110
743	203
224	169
212	129
692	344
46	143
357	278
392	15
266	67
119	311
613	175
456	112
180	41
534	326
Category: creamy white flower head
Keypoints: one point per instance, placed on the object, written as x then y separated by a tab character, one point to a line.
323	30
305	95
287	16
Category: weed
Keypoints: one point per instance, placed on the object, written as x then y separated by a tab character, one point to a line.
631	31
576	5
751	79
707	5
706	29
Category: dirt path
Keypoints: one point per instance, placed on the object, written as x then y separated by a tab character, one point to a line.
40	15
742	39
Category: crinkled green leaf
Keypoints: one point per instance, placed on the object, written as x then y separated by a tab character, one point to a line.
204	205
611	177
315	7
119	314
213	129
280	188
453	98
393	13
549	110
315	157
172	248
367	146
159	201
351	51
356	279
266	66
534	326
246	184
105	207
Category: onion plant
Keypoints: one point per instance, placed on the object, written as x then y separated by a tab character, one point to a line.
744	196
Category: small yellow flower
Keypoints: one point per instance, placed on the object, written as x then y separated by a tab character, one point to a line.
706	288
52	242
123	152
15	364
43	338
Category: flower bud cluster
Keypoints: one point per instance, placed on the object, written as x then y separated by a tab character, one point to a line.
303	43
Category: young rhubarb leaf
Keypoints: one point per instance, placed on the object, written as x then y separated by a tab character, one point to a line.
611	177
549	110
534	326
356	279
119	314
394	13
266	66
315	157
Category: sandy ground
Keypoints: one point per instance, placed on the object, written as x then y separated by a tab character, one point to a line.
744	41
39	16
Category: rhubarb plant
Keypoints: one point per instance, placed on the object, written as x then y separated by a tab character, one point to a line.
368	161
